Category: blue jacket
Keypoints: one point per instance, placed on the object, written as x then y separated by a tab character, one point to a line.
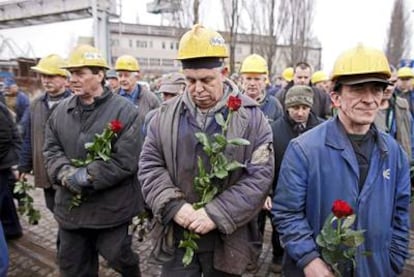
319	167
271	108
4	254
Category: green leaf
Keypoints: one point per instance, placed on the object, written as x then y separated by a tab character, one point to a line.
220	139
220	119
234	165
203	139
221	174
349	220
188	256
352	238
103	156
238	141
320	241
88	145
216	148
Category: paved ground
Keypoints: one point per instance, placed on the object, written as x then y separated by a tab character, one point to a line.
34	255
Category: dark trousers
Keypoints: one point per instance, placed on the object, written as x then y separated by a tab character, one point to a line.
277	248
202	264
8	213
49	194
78	251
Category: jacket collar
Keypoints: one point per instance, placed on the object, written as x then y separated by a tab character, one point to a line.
74	101
66	94
337	138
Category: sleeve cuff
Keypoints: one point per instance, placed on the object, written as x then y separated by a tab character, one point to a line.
305	260
170	209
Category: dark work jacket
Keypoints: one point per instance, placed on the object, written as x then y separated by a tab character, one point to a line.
9	139
114	198
31	156
283	133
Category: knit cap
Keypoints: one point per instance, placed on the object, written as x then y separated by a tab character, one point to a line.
299	95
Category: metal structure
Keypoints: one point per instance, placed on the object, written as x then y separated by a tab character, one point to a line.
163	6
10	49
24	13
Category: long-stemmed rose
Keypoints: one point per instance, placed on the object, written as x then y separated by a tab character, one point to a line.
99	149
205	183
337	239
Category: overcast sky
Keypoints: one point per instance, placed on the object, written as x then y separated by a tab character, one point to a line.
339	24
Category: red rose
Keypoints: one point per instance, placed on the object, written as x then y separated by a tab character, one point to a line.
234	103
115	126
341	209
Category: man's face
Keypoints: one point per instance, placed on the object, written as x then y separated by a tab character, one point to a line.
404	84
324	86
389	90
358	104
53	84
302	76
205	86
84	83
128	80
12	89
113	83
253	84
299	113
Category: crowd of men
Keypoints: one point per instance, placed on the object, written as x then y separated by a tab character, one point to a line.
313	139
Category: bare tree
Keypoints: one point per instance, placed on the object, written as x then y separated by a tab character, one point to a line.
399	33
268	27
299	27
231	10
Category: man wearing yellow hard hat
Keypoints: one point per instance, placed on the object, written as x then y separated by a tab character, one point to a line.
321	81
346	158
254	73
128	70
54	81
168	166
404	86
302	73
108	191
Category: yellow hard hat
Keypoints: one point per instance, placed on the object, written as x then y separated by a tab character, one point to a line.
201	42
86	55
319	76
405	72
127	63
287	74
361	60
51	65
254	64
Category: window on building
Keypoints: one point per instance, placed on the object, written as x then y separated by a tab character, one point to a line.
143	61
155	62
114	42
130	43
167	62
163	45
172	45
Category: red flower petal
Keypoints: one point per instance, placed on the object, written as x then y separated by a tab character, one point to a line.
233	103
115	126
341	209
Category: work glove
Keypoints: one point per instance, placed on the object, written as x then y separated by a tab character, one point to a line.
65	171
77	181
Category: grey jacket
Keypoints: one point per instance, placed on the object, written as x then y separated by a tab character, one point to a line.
115	197
167	155
403	121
